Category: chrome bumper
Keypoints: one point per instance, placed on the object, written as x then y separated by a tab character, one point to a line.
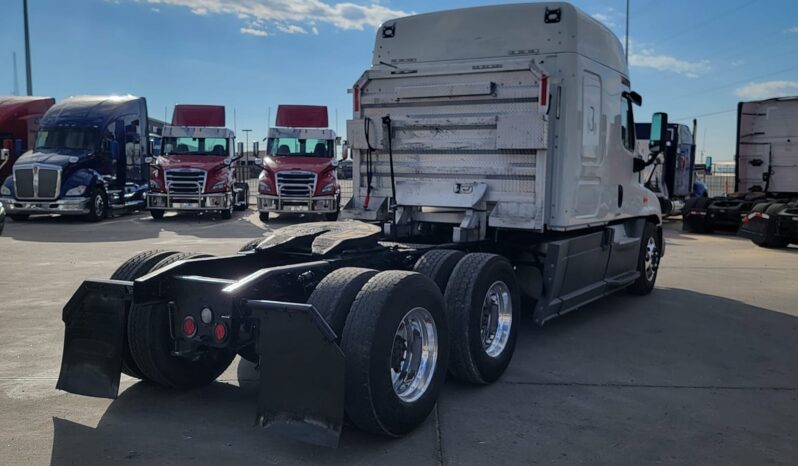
318	204
162	201
78	206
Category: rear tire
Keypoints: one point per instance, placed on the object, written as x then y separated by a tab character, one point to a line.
771	241
703	226
378	398
482	300
334	295
133	268
157	214
648	261
437	265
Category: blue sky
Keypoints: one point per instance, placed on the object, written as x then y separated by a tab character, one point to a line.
689	57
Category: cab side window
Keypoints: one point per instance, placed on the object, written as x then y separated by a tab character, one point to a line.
627	124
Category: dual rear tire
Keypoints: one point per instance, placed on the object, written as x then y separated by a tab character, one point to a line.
400	332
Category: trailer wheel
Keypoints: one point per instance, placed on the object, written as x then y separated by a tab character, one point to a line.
133	268
157	214
483	307
396	344
771	241
264	217
438	264
98	205
334	295
648	261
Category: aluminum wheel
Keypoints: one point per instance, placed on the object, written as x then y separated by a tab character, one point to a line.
652	258
99	205
414	354
497	318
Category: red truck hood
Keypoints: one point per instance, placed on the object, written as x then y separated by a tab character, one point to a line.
203	162
312	164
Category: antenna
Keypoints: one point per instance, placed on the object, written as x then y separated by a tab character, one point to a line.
27	47
16	76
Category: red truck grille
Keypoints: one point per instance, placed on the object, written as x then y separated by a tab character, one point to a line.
185	181
296	183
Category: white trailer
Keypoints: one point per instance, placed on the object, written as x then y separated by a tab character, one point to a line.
493	159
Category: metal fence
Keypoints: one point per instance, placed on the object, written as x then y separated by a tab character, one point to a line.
721	181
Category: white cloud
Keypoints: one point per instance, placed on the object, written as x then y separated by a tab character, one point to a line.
645	57
314	30
793	29
157	10
291	29
288	16
254	32
604	18
767	89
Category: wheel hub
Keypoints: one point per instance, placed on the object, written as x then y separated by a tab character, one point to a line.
496	319
651	261
414	354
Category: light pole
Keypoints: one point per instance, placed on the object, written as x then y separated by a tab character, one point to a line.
246	147
27	46
627	32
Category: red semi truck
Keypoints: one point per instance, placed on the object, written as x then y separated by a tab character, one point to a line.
19	120
299	167
195	169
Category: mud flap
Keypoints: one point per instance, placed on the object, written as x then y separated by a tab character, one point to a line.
301	392
91	363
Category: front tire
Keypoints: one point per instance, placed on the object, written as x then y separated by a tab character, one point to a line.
396	345
483	307
98	205
264	217
157	214
19	217
648	261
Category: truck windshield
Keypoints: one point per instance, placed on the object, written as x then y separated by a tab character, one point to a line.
280	147
194	146
67	138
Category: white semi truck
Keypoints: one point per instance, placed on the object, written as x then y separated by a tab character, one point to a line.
493	159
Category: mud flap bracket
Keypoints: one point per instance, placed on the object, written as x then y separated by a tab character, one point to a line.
94	338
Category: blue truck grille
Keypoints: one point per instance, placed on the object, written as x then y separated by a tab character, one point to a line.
37	182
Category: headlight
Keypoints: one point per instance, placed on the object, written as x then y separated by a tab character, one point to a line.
5	191
76	191
219	185
329	188
264	187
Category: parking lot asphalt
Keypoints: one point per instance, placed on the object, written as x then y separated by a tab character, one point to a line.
702	371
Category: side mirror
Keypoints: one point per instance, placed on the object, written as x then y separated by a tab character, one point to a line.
258	161
659	133
5	154
147	159
334	162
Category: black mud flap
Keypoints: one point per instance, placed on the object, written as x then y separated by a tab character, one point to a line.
301	392
94	337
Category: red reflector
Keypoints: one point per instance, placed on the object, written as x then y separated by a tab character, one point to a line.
356	98
220	331
189	326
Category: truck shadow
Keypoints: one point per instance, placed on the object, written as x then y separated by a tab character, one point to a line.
673	337
139	226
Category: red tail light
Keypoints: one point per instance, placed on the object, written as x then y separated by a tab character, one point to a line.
189	327
220	331
356	98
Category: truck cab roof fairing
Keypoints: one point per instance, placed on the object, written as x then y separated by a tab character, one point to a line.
87	111
471	33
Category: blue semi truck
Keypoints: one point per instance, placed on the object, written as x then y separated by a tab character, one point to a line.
90	158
